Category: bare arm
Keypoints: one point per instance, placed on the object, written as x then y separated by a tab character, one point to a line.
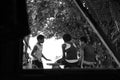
82	57
63	50
45	58
33	51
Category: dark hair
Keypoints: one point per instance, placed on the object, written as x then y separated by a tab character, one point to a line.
84	39
67	37
40	37
92	40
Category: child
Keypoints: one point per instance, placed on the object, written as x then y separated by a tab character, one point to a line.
26	46
37	52
70	55
89	53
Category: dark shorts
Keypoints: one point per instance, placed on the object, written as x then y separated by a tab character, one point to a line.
38	64
67	64
90	65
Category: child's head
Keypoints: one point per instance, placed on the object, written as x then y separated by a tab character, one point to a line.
84	39
67	37
40	38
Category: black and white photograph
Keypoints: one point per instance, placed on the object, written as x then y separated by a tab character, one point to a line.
72	34
60	39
